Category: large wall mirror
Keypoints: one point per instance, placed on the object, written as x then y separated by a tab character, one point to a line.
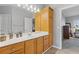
16	18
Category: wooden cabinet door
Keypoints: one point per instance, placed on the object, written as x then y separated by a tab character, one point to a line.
37	22
44	20
30	47
39	48
46	42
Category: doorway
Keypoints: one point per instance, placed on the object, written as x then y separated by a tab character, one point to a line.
70	28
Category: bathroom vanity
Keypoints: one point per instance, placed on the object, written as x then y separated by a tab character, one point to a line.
29	43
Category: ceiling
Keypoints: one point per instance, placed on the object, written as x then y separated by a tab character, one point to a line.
73	11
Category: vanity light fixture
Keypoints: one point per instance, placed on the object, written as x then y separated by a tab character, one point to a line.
32	8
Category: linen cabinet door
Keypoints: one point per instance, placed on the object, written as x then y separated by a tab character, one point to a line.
30	46
44	20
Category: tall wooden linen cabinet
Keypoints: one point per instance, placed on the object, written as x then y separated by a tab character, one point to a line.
44	22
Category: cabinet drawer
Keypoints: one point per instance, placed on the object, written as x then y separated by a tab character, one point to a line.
11	48
5	50
17	46
21	51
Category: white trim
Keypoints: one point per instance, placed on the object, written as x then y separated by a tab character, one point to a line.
57	47
69	7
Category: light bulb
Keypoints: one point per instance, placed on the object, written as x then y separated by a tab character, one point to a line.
19	5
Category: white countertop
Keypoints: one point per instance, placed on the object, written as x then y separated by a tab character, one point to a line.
23	38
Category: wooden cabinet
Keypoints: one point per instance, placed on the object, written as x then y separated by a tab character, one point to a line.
46	42
30	46
33	46
39	47
46	22
11	48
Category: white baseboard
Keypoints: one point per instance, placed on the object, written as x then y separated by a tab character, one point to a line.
57	47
